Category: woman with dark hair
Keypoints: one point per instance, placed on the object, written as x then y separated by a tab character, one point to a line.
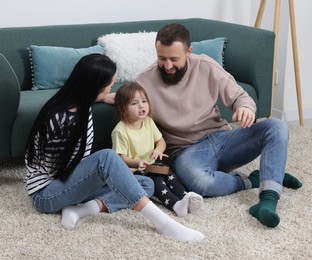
63	175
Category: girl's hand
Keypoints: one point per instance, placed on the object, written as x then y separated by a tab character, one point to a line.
158	155
142	165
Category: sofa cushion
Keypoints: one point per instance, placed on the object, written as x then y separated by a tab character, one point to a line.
214	48
132	52
51	65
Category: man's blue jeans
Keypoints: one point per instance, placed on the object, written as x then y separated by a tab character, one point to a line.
204	167
101	175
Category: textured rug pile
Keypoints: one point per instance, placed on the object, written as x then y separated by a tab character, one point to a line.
231	233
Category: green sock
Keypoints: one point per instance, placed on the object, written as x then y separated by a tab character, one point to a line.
254	179
264	211
288	182
291	182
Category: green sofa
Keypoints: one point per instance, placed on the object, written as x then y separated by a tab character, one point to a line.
248	57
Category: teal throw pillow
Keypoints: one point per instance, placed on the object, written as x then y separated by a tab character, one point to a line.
214	48
51	66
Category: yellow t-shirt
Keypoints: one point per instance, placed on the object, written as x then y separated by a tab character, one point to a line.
136	144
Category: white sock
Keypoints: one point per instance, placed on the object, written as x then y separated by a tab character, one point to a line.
71	214
169	227
196	201
181	207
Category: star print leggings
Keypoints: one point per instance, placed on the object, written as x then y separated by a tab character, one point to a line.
168	188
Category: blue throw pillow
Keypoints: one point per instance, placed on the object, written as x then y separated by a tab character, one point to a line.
214	48
51	66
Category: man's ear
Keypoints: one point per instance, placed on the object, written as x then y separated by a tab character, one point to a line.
189	51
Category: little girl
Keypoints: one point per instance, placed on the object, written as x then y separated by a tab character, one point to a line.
139	143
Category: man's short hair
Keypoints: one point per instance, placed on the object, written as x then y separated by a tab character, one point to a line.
174	32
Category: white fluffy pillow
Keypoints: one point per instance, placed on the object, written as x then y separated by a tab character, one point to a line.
132	52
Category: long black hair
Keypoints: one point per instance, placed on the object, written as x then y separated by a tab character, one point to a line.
89	77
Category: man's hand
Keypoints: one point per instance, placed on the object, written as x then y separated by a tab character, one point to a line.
245	116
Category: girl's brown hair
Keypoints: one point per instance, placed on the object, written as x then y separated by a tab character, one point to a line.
125	94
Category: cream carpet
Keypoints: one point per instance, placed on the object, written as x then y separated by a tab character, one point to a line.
231	233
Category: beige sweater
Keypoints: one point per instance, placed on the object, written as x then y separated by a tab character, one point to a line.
187	111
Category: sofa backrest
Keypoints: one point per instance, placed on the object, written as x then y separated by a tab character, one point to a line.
239	54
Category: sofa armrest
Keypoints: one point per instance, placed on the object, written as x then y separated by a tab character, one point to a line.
253	64
9	102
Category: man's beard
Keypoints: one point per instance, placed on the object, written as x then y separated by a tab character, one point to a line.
172	79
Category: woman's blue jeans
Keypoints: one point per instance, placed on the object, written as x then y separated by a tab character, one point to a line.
204	167
102	175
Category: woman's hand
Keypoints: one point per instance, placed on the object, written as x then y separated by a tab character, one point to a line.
106	98
109	98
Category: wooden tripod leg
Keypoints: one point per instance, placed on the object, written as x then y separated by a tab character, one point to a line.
260	13
275	29
295	56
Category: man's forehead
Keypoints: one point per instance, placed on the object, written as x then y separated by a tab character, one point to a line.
175	49
175	44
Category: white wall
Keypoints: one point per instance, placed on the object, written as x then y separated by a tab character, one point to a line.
36	12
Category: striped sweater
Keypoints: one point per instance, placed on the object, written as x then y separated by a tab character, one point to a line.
45	164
